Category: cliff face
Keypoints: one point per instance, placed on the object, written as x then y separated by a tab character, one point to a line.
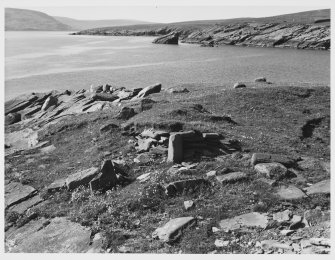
284	35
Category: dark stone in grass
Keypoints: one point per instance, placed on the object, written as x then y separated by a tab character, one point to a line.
239	85
126	113
106	179
261	79
108	127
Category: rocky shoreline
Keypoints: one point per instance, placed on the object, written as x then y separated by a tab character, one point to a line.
183	169
279	35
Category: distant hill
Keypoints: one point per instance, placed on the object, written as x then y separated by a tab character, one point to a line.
28	20
89	24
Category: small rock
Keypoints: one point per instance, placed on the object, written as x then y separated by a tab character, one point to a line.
290	193
239	85
48	149
188	204
211	174
142	158
231	177
173	229
126	113
271	170
144	177
215	229
184	185
296	247
287	232
221	243
283	216
81	178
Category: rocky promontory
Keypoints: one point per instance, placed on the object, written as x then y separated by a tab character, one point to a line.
192	168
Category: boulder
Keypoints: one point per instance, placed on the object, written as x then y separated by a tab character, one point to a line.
261	79
269	158
239	85
275	171
253	219
126	113
322	187
173	229
60	236
81	178
12	118
156	88
180	186
15	192
231	177
171	38
290	193
106	179
175	152
50	101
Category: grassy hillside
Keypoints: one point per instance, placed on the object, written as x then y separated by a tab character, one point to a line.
28	20
87	24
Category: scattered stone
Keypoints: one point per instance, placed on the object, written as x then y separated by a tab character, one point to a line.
231	177
126	113
188	204
106	179
56	185
142	158
184	185
275	171
322	187
287	232
156	88
24	205
290	193
48	149
15	192
173	229
81	178
239	85
108	127
269	158
320	241
50	101
283	216
253	219
273	244
261	79
60	236
221	243
145	144
211	174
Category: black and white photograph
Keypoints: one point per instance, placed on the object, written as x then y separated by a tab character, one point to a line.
166	127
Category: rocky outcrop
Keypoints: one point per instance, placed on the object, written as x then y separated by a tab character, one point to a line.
171	38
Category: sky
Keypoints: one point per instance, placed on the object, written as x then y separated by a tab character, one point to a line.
162	11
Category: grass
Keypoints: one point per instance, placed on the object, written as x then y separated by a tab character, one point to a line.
268	118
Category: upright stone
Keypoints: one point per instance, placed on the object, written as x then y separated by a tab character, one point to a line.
106	179
175	152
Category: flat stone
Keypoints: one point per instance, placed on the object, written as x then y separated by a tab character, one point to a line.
283	216
56	185
173	229
322	187
15	192
320	241
48	149
231	177
275	171
290	193
253	219
24	205
273	244
60	236
81	178
269	158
